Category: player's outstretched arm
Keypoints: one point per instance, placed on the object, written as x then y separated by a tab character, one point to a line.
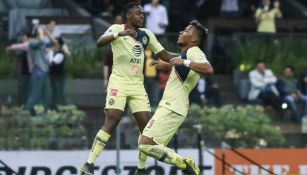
166	55
162	65
106	39
202	68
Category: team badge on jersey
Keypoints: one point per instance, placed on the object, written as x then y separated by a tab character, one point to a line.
111	101
113	92
144	40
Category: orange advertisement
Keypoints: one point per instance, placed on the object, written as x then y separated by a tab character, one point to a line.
278	161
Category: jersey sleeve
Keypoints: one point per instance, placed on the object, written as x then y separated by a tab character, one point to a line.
113	29
154	44
196	55
258	12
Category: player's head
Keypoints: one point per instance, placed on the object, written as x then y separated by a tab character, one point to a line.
193	34
260	66
134	14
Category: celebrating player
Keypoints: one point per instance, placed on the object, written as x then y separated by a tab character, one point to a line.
173	107
126	83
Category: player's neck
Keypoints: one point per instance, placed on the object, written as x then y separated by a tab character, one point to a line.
130	26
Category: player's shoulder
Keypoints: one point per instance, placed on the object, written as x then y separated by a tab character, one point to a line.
194	49
117	26
196	52
148	32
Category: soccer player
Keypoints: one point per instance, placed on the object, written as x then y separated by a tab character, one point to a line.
126	83
173	108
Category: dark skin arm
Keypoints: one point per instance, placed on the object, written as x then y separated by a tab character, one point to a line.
106	39
162	65
166	55
202	68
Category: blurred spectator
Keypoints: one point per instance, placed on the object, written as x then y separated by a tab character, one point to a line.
288	90
263	88
265	17
26	67
229	8
206	92
108	61
54	33
50	27
57	72
151	81
303	91
40	82
156	17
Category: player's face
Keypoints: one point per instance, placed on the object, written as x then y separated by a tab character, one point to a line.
137	16
186	36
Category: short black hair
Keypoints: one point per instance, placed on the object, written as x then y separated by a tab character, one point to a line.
202	31
128	7
290	67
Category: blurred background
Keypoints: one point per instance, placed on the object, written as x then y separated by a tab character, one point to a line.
256	101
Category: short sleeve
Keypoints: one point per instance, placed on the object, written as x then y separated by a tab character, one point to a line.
196	55
258	12
113	29
154	44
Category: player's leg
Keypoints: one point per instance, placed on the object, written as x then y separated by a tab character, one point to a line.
115	105
142	118
156	136
139	105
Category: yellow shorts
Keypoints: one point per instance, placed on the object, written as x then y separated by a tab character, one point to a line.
163	125
137	100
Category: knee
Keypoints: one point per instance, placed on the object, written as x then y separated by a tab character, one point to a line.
145	148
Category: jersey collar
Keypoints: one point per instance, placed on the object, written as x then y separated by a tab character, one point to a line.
126	26
188	48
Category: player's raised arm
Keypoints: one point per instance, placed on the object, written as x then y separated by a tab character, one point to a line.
202	68
162	65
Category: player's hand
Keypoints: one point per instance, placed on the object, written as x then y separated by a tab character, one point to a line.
154	63
176	61
127	32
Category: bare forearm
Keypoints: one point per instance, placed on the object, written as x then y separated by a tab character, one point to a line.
202	68
104	40
105	72
166	55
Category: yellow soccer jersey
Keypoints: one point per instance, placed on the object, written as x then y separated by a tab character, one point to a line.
181	82
128	56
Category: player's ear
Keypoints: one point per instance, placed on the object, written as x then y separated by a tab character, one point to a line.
194	39
128	15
